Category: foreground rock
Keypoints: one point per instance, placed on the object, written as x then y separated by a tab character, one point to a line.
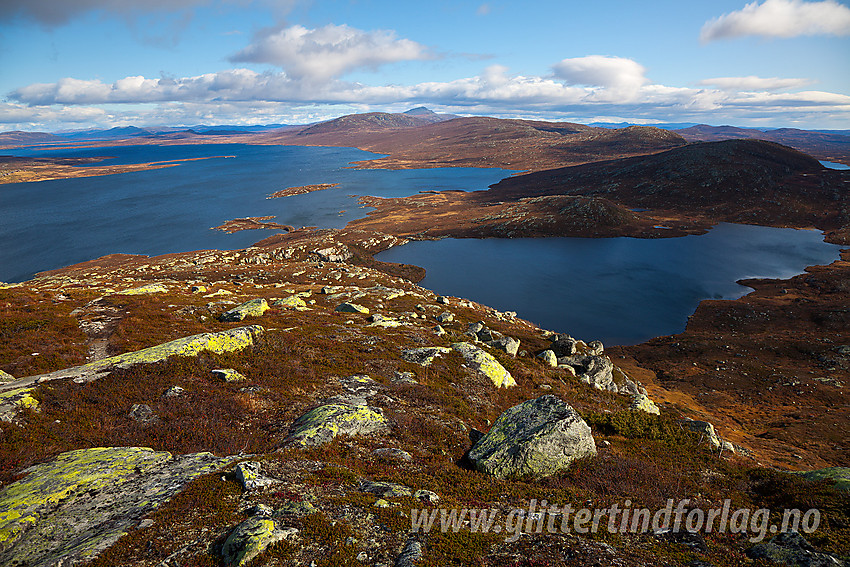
486	364
535	438
74	507
323	423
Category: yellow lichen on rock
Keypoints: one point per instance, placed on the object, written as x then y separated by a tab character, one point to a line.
486	364
145	289
23	502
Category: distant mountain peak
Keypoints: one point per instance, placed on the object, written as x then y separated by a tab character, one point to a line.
419	111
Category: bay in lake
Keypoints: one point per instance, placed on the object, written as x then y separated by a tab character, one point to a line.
618	290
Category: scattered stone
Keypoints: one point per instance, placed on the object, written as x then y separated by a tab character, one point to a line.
443	300
548	357
142	413
250	476
641	402
596	371
439	331
509	345
382	503
145	289
475	328
199	289
68	510
351	308
426	496
727	446
323	423
536	438
563	345
228	375
705	429
291	302
791	548
6	377
410	554
445	317
484	363
173	392
298	509
424	355
330	289
404	378
252	308
250	538
12	401
384	489
393	454
595	348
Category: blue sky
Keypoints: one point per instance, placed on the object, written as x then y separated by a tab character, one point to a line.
73	64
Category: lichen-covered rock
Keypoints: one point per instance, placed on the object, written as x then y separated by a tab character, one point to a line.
74	507
641	402
793	550
6	377
199	289
250	538
12	401
323	423
145	289
410	554
445	317
291	302
252	308
484	363
705	429
142	413
548	357
384	489
839	475
228	375
250	475
535	438
351	308
563	345
423	356
221	342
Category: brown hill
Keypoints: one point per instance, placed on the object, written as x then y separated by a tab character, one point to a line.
19	138
478	141
828	146
733	180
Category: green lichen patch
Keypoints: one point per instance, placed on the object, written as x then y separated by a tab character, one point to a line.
486	364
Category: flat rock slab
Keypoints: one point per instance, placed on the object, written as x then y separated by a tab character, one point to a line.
323	423
221	342
77	505
536	438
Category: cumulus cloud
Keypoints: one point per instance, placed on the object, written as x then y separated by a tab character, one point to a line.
330	51
780	18
621	77
752	83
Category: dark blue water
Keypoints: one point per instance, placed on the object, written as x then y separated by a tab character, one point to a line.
617	290
51	224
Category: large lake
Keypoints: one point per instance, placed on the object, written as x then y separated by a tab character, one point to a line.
51	224
619	290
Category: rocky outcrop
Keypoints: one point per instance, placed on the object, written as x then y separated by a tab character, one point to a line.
485	364
705	430
351	308
641	402
323	423
6	377
423	356
792	549
12	401
252	308
594	370
535	438
74	507
250	476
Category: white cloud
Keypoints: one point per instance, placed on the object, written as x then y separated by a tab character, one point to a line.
752	83
330	51
780	18
620	77
54	13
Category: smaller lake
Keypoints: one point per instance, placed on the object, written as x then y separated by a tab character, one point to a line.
619	290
